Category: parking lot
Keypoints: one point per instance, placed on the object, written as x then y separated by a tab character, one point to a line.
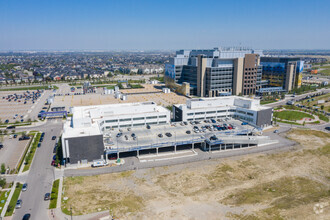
151	92
12	151
18	105
176	132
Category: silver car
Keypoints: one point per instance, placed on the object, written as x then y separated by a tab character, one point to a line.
18	204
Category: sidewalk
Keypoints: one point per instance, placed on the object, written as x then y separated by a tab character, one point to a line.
8	200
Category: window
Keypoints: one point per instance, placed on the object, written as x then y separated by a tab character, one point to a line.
151	117
190	113
251	114
109	121
162	122
211	112
199	113
123	126
136	119
162	116
125	119
135	125
220	111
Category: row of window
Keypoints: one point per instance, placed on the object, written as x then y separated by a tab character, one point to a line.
135	125
134	119
211	112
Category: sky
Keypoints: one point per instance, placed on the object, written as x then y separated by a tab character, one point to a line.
163	24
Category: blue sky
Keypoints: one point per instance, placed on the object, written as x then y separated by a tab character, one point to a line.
160	24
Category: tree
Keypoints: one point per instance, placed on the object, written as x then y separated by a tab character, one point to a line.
3	168
5	132
2	182
322	107
13	131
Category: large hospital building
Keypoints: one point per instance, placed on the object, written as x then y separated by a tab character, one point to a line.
229	71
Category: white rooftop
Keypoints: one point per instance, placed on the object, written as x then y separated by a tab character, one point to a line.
234	101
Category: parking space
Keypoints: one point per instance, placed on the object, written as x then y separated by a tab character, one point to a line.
12	151
175	132
17	105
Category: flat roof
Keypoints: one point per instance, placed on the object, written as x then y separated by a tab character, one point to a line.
98	111
224	101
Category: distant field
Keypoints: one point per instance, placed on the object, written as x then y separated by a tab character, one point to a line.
26	88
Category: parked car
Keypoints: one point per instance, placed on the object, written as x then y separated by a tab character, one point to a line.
213	138
168	134
148	127
119	135
133	135
244	123
54	137
24	138
276	131
26	216
160	135
24	188
11	127
18	204
47	196
188	132
39	144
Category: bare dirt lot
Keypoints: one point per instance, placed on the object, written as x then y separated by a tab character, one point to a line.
285	185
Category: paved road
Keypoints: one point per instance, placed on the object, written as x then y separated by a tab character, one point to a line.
40	176
33	115
283	102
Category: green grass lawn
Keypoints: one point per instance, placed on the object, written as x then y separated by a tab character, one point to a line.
12	203
292	115
30	154
287	122
322	117
3	197
136	86
54	194
264	102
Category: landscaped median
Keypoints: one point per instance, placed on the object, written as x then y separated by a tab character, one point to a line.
32	150
54	194
14	198
25	153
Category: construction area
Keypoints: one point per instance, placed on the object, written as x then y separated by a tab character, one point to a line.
285	184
